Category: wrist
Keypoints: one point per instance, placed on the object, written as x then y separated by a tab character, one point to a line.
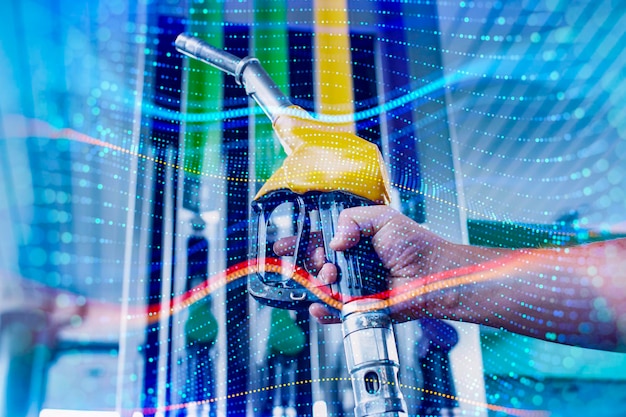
469	283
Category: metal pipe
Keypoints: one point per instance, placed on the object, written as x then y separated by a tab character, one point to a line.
247	71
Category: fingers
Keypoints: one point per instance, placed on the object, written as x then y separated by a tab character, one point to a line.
285	246
328	273
352	224
315	260
357	221
323	314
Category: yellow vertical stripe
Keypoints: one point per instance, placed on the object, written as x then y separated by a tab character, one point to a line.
333	62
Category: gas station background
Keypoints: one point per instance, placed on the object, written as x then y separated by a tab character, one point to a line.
126	172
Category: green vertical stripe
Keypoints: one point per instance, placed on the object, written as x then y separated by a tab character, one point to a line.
204	93
271	47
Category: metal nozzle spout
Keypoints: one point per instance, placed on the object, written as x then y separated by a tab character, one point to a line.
247	72
198	49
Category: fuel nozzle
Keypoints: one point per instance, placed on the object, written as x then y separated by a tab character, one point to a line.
248	72
326	171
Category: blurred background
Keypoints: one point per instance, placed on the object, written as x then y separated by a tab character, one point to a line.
126	174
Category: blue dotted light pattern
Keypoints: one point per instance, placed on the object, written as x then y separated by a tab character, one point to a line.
517	115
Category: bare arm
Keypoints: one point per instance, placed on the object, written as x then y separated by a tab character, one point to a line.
573	295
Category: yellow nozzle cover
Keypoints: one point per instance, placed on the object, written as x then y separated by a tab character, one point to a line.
324	156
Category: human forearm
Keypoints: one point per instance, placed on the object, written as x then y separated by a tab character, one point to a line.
570	295
574	295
